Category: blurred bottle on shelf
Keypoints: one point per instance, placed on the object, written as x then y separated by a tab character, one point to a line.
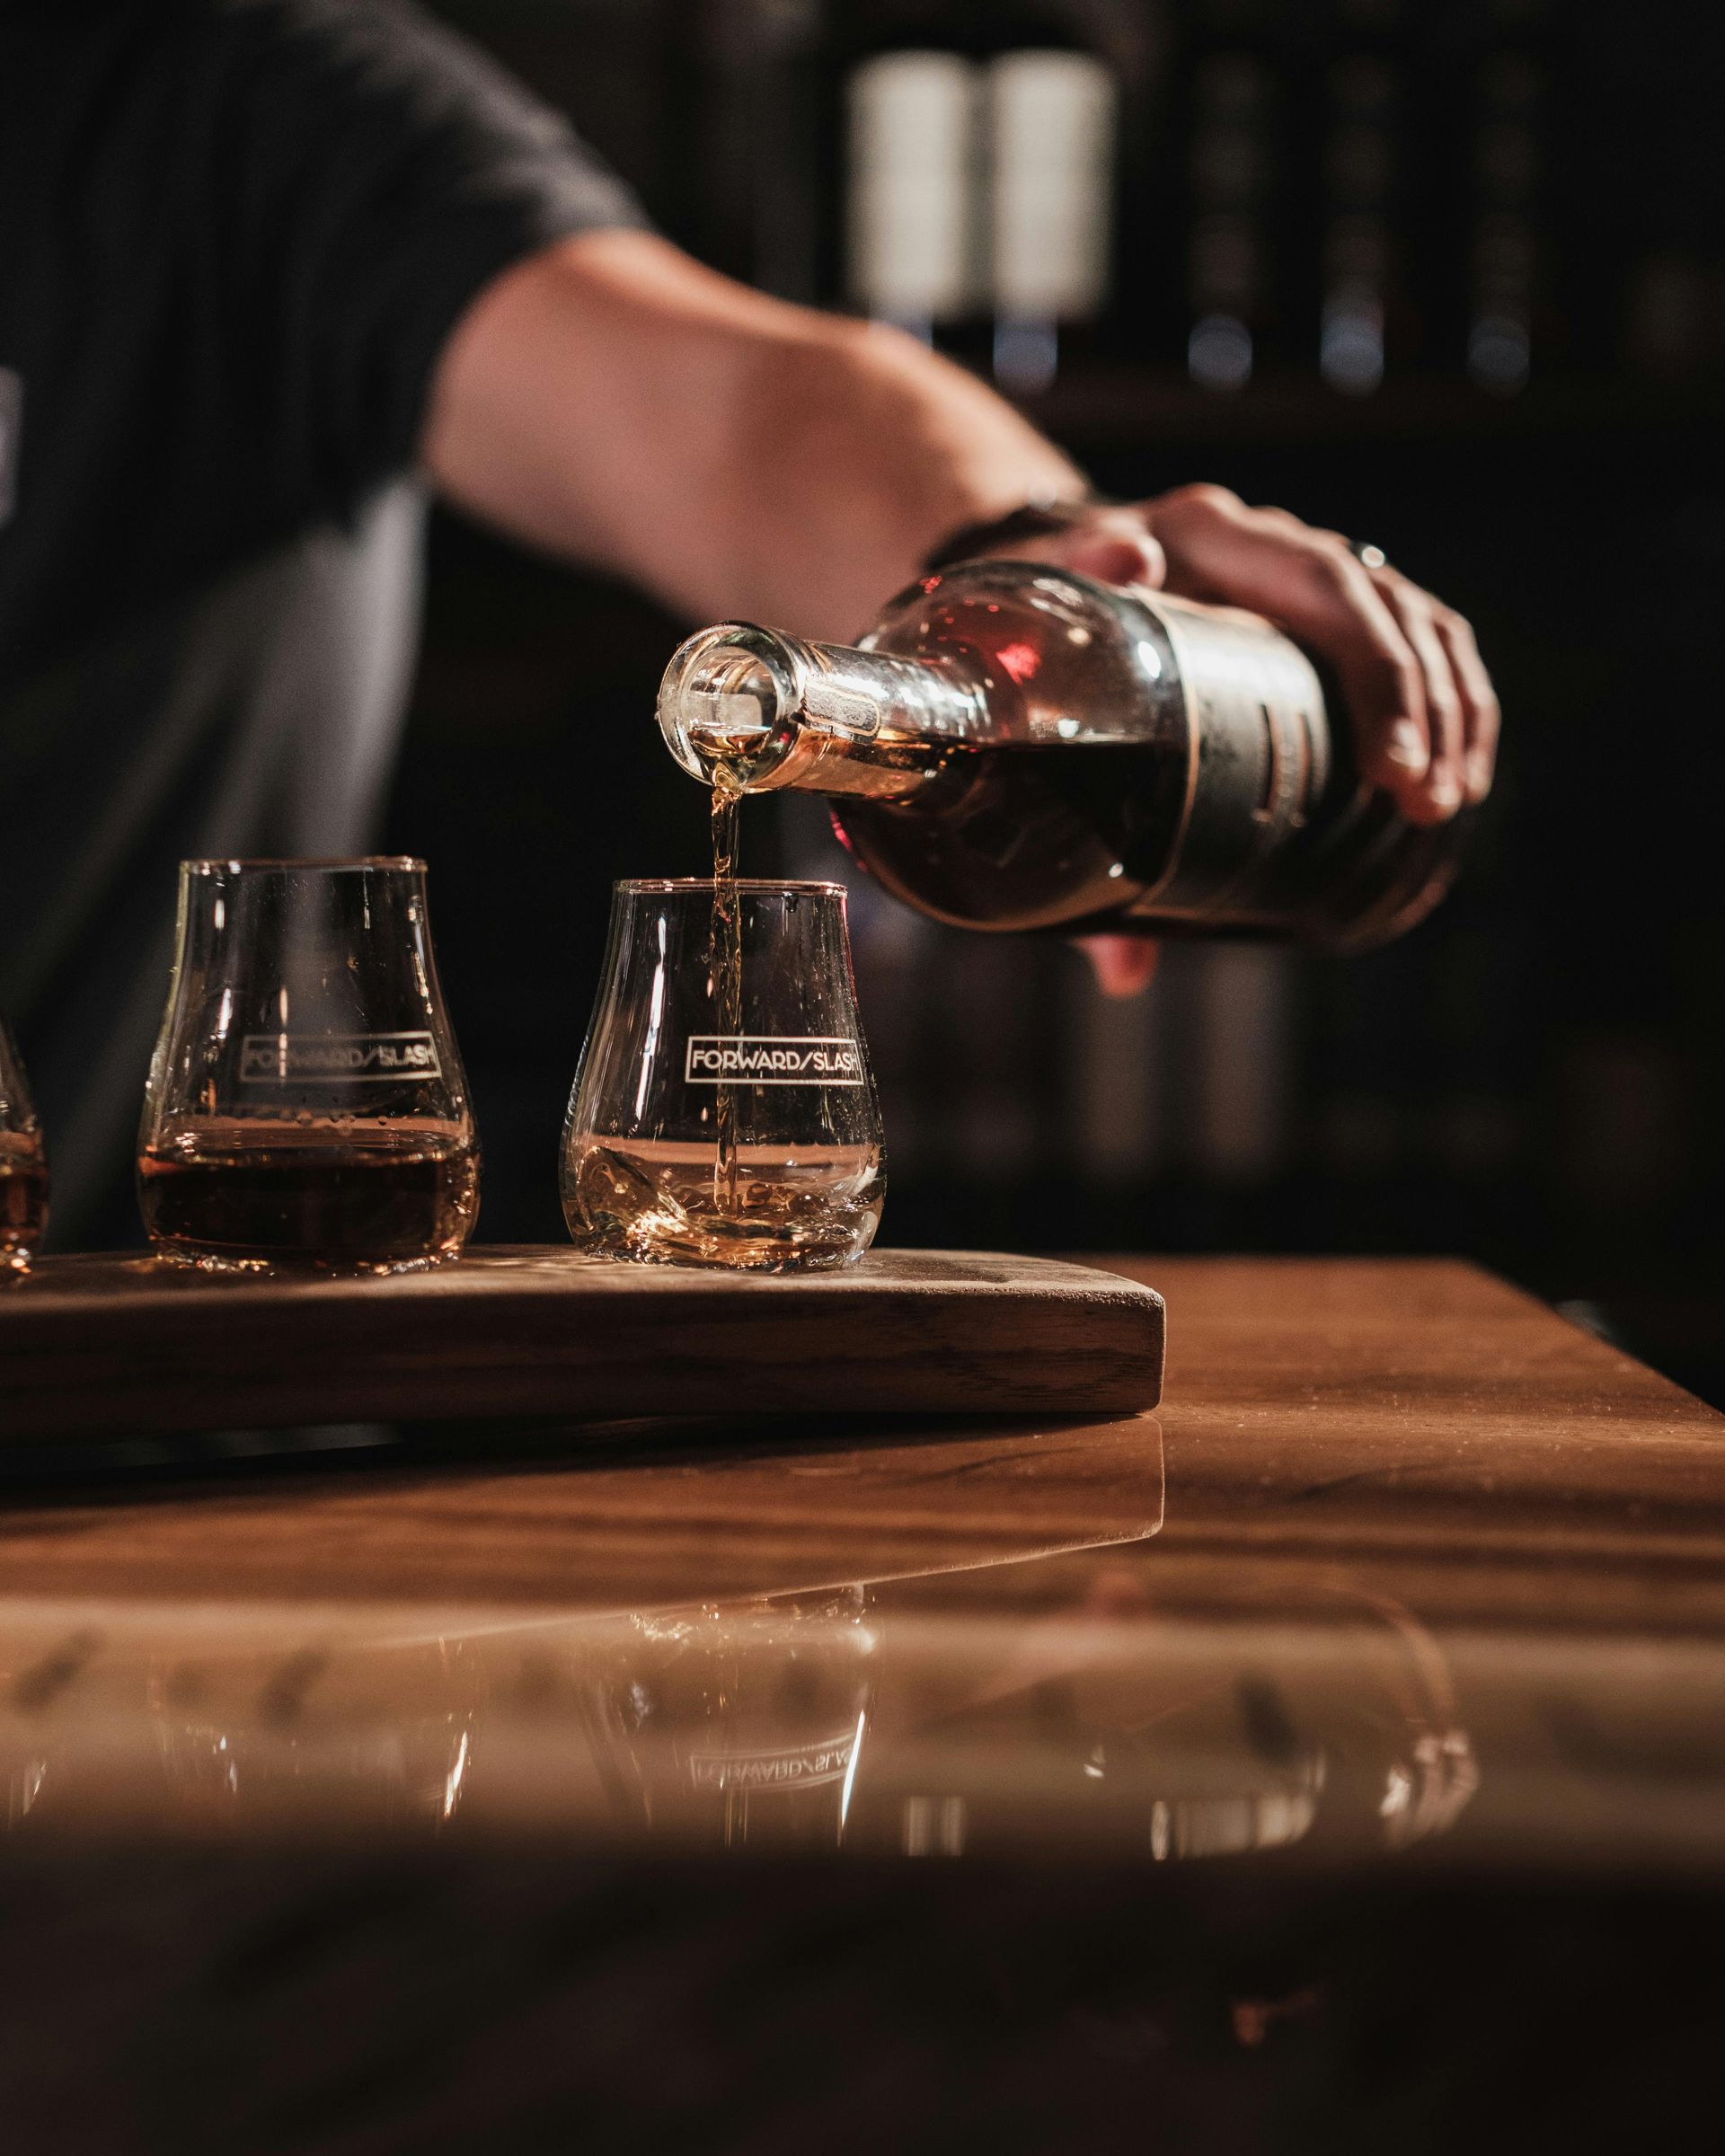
911	188
1050	132
1676	320
1504	258
1359	163
755	143
1230	169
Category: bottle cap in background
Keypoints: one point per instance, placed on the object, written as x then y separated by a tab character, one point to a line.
1051	127
911	186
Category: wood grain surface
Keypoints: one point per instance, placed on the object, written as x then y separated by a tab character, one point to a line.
1433	1430
1449	1545
119	1344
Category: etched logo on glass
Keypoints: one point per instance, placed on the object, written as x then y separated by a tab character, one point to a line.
772	1059
336	1058
795	1767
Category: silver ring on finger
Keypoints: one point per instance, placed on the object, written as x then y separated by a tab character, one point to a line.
1368	555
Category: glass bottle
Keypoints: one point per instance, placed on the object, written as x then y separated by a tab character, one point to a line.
1017	746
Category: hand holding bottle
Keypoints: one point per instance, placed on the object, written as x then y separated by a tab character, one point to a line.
1014	745
1422	704
1424	711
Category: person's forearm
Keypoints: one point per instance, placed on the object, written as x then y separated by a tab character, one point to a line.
612	400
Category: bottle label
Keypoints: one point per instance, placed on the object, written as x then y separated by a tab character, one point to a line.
823	698
336	1058
772	1059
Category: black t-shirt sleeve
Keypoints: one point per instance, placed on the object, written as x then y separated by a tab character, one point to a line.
234	237
369	173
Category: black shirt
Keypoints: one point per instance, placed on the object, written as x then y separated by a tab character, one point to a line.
234	236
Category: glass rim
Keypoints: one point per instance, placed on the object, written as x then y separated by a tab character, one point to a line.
748	886
323	864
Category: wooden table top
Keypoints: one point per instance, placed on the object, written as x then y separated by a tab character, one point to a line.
1405	1568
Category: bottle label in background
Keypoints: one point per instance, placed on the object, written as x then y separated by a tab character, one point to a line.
336	1058
772	1059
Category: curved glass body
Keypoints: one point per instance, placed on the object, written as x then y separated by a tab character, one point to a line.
306	1106
23	1164
1015	747
724	1114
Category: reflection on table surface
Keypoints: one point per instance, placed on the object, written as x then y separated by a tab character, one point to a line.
838	1718
1472	1611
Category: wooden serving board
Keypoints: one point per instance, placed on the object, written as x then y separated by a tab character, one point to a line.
114	1345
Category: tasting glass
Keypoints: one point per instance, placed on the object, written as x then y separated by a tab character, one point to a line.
734	1724
725	1123
24	1164
307	1106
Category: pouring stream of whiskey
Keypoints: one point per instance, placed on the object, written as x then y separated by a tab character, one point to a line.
725	980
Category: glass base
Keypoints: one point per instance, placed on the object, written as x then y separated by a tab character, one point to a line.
295	1266
759	1255
653	1202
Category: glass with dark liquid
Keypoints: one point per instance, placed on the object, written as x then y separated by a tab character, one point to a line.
23	1164
306	1108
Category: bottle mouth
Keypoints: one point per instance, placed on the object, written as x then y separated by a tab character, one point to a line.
725	705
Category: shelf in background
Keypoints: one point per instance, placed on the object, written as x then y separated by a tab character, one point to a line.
1123	407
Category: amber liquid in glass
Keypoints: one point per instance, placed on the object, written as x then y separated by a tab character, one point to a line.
652	1197
23	1197
725	1203
253	1195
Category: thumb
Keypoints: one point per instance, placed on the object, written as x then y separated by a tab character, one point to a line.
1111	544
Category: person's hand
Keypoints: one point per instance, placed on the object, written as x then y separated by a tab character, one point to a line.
1424	712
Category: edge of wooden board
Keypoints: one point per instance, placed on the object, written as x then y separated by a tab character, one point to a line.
119	1344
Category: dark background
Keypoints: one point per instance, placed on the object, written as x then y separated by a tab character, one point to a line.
1530	1078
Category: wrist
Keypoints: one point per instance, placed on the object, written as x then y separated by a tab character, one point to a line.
1034	518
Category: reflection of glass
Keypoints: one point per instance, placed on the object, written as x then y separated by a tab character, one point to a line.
369	1739
738	1724
817	1720
24	1164
713	1123
1134	1727
306	1105
172	1730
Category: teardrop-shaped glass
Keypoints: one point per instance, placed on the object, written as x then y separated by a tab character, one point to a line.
719	1118
307	1106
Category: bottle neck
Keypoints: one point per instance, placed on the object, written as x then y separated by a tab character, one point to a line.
754	711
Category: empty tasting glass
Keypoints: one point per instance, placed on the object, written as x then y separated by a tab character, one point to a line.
23	1164
306	1105
724	1113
